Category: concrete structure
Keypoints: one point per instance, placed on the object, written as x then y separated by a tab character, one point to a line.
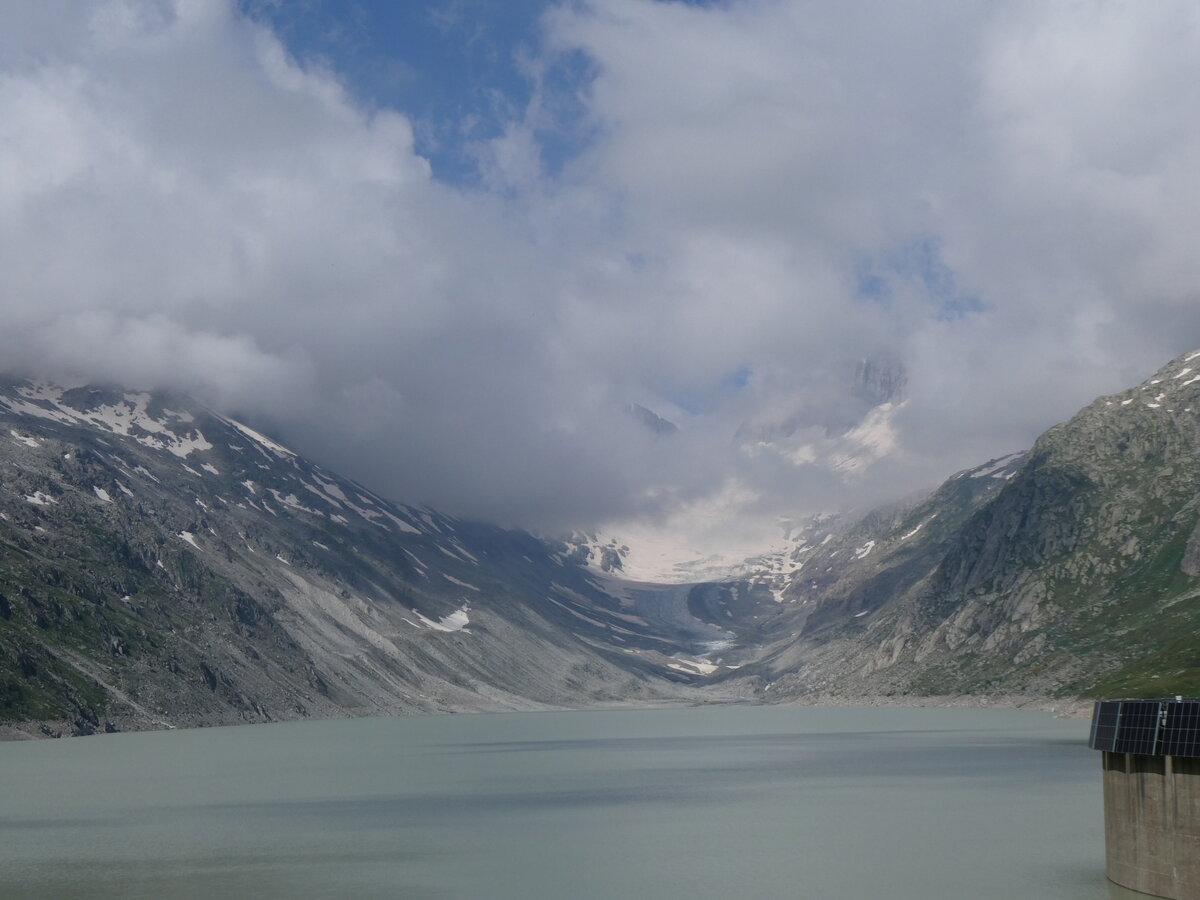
1151	768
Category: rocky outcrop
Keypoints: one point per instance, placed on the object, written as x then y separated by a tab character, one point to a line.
1190	564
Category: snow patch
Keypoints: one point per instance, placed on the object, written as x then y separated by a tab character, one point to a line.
463	551
130	417
37	498
369	514
905	537
146	473
262	440
291	501
189	538
24	439
450	553
320	493
331	489
454	580
102	494
456	621
865	550
177	445
692	666
404	527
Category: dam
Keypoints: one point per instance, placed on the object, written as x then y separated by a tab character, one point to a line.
1151	764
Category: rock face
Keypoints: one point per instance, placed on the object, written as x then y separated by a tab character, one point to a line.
161	564
1075	572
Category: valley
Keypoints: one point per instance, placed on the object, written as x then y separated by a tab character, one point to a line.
164	565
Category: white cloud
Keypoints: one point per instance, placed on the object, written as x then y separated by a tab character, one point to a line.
1047	152
182	204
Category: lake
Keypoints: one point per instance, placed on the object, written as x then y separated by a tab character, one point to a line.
680	804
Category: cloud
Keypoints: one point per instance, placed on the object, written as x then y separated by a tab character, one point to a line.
766	152
758	195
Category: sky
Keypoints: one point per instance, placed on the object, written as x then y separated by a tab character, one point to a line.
479	255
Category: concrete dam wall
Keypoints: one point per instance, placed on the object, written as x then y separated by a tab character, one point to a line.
1151	763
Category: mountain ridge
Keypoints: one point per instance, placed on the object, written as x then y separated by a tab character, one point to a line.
1077	578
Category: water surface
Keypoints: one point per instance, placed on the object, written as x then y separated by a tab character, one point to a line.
687	804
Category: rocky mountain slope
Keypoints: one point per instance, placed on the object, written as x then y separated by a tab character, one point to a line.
162	564
1076	573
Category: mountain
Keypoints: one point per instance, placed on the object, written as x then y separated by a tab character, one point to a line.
161	564
1073	570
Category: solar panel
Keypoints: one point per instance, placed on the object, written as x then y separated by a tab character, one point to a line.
1137	731
1147	727
1105	717
1181	729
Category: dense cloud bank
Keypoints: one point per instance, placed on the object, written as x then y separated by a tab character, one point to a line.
998	202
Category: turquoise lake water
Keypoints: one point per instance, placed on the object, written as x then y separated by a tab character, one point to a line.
680	804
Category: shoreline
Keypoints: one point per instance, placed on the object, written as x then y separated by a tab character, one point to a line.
1065	708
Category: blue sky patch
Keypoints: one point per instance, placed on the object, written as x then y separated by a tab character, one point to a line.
698	400
920	262
459	70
